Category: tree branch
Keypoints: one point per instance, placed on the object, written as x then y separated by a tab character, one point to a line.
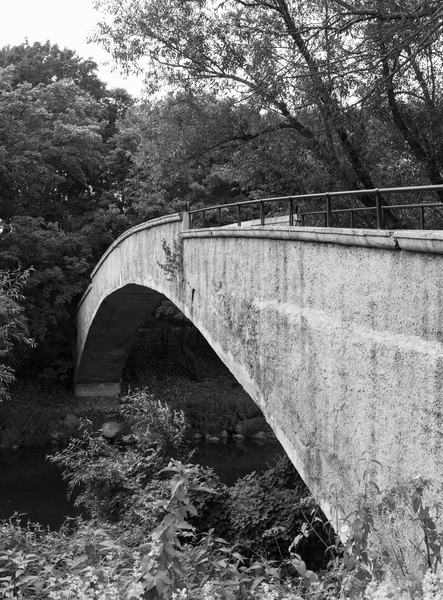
427	11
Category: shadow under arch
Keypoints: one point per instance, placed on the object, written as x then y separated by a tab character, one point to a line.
111	336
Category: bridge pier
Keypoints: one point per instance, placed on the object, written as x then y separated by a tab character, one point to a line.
89	390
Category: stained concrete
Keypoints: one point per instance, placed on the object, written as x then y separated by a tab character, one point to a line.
336	334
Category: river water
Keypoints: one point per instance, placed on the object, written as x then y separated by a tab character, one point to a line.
32	486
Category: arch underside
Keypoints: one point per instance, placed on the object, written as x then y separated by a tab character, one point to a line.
110	338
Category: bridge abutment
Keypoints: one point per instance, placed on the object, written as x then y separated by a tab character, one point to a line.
90	390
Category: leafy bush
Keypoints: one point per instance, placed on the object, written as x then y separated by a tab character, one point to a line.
255	425
265	510
13	323
266	520
93	562
79	562
143	541
154	423
118	481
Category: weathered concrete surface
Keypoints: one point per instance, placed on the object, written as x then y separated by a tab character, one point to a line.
337	335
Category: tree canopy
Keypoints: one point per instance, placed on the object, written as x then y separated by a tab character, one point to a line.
60	188
328	70
47	63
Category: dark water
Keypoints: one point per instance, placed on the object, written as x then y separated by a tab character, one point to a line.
231	460
32	485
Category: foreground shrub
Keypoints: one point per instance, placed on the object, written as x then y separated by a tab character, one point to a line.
92	561
79	562
254	538
266	511
118	481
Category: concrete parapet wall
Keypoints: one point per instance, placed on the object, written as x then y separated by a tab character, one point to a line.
336	334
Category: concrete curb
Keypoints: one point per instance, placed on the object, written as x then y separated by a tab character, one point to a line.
420	241
369	238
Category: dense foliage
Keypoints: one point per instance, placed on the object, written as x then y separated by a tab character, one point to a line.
353	85
58	208
142	542
13	324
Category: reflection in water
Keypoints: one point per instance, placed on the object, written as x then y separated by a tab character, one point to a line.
232	459
32	485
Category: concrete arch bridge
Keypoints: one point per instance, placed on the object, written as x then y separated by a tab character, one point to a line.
337	334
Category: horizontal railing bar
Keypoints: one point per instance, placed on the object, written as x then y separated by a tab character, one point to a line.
414	188
246	203
356	209
419	205
388	207
316	212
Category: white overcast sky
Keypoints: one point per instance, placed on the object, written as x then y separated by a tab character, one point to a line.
64	22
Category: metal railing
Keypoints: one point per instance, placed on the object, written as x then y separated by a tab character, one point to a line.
297	216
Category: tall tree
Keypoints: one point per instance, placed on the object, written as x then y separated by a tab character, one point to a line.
47	63
400	63
51	150
317	65
60	201
202	149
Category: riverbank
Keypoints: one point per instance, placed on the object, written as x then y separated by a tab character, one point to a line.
38	409
37	413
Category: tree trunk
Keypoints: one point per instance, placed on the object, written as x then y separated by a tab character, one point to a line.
191	361
332	114
428	161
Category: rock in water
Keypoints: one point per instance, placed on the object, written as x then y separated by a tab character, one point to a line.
111	430
71	421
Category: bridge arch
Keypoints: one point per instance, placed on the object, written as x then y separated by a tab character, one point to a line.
337	335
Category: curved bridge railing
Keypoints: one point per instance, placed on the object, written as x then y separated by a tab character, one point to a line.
337	209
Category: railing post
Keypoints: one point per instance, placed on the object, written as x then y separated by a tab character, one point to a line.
219	216
238	215
379	210
298	216
291	212
352	219
422	217
186	219
262	213
328	211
